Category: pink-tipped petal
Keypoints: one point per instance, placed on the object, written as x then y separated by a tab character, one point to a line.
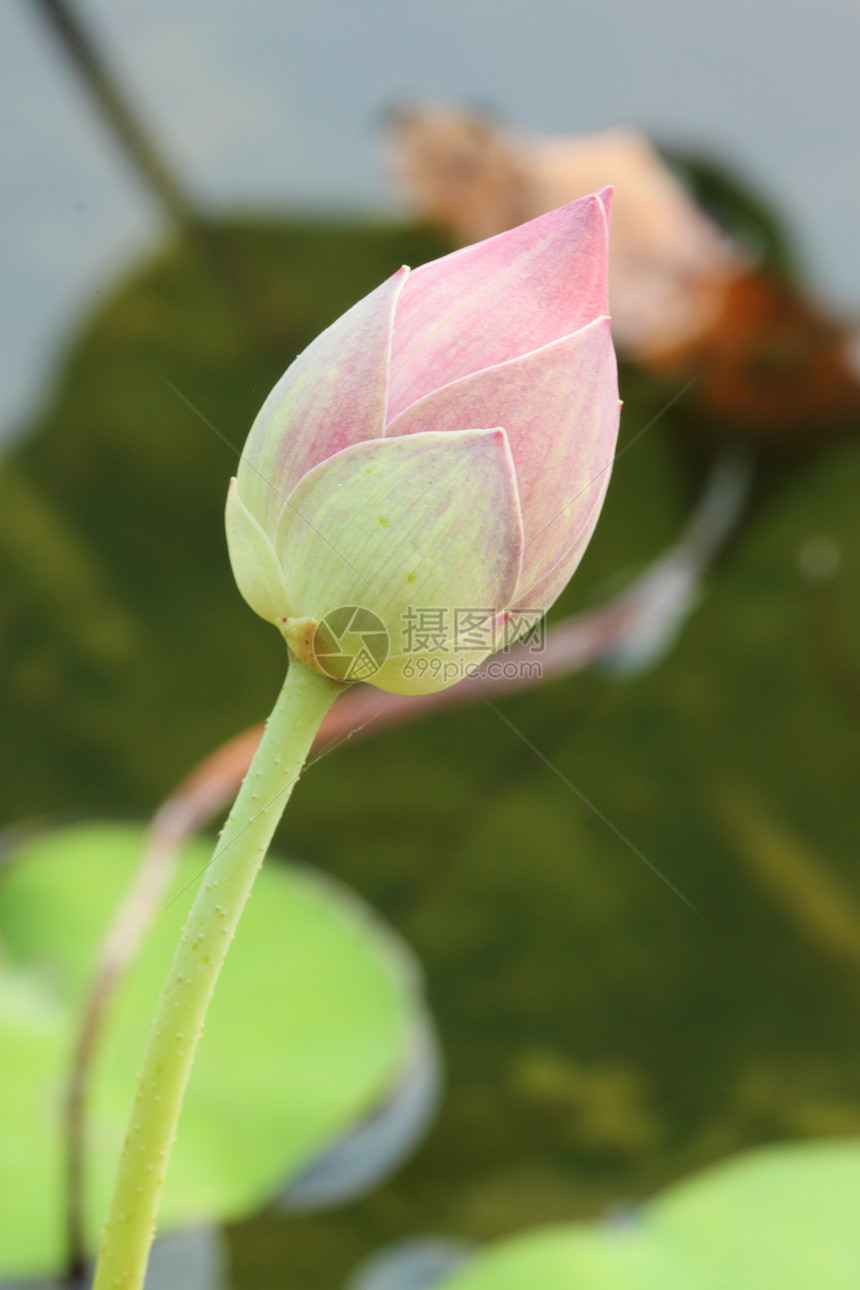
552	580
333	395
559	406
605	197
499	299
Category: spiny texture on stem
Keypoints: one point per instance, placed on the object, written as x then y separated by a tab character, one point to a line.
203	945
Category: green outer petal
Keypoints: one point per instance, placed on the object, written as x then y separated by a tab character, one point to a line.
429	671
430	522
255	565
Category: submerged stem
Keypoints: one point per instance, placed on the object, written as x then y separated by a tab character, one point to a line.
203	944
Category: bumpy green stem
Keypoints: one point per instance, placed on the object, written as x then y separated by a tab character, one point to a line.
203	945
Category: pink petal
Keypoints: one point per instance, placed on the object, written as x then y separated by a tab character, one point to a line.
499	299
559	406
552	580
331	396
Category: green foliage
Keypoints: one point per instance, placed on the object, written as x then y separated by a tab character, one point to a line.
601	1039
784	1218
310	1026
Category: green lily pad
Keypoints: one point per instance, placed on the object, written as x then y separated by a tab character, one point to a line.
310	1026
781	1218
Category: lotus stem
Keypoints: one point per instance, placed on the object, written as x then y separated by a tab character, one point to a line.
203	945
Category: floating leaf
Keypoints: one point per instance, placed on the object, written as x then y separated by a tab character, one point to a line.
782	1218
189	1260
313	1023
369	1152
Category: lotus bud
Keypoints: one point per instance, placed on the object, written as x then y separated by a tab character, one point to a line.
423	480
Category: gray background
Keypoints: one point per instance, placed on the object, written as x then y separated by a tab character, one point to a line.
270	104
